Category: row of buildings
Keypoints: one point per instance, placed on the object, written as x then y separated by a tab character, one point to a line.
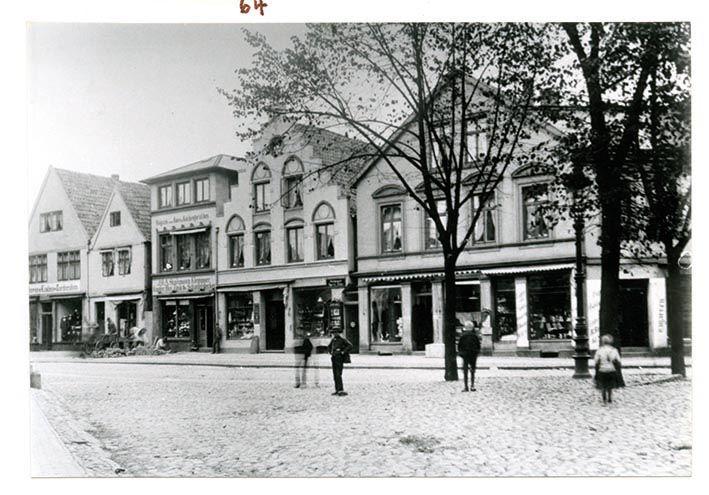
299	240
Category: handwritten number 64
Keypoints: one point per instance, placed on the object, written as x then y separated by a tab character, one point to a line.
246	8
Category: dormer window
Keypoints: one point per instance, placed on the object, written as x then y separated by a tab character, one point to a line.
115	218
51	221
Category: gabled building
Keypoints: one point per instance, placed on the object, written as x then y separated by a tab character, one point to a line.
119	261
66	216
286	241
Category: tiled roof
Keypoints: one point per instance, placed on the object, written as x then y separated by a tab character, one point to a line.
89	194
226	162
137	198
343	156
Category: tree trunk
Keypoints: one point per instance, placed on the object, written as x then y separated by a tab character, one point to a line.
610	264
675	326
449	291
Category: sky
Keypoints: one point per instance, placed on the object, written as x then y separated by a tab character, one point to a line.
133	99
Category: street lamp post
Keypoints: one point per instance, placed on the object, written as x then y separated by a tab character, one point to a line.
576	182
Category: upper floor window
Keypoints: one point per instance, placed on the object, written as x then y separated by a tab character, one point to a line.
233	181
294	236
107	263
476	142
485	226
184	193
235	232
432	240
115	219
535	202
201	190
390	218
292	195
51	221
165	196
124	260
188	250
68	266
324	220
38	268
262	244
261	180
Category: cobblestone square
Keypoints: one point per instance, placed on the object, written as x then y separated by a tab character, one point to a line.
248	422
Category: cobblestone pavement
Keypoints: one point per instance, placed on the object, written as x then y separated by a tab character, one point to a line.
210	421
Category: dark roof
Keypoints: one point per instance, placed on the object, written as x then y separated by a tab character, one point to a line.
343	156
89	194
224	162
137	198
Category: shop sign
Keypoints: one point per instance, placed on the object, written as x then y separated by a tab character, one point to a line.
336	283
180	220
55	287
183	285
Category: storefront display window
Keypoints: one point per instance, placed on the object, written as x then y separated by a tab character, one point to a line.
505	310
240	311
177	315
549	305
386	321
166	263
203	250
467	305
311	312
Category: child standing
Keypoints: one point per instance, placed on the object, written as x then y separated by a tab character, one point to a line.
608	368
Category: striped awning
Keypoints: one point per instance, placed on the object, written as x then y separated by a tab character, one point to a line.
509	270
416	276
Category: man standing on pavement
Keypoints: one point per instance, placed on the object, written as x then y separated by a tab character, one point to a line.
302	354
468	349
339	349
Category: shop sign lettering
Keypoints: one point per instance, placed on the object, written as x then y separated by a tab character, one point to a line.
183	284
185	219
55	287
336	283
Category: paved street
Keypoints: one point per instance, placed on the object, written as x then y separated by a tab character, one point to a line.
216	421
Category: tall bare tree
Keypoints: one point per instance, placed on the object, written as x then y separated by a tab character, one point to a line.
447	107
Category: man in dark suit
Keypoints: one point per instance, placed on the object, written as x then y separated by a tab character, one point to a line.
302	354
339	349
468	349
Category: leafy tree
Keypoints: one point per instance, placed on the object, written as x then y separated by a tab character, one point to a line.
447	108
608	115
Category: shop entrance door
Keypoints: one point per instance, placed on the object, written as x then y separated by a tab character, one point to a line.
422	322
632	321
127	316
275	324
101	317
352	333
47	323
205	325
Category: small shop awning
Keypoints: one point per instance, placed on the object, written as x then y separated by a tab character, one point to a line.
187	296
255	287
125	297
509	270
189	231
417	276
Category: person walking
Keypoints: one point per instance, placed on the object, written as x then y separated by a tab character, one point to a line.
339	349
608	368
217	344
302	354
468	349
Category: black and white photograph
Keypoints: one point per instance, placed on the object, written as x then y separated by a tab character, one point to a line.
445	247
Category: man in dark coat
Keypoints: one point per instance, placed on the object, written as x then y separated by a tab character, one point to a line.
339	349
302	354
468	349
217	341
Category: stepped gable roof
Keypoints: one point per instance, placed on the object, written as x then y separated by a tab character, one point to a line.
345	156
88	194
137	199
223	162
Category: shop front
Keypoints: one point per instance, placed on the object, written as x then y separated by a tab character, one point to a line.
56	314
184	311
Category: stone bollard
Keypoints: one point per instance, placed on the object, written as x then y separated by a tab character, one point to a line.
35	379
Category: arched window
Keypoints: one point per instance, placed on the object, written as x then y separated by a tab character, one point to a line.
235	233
324	220
261	180
292	186
262	244
294	241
